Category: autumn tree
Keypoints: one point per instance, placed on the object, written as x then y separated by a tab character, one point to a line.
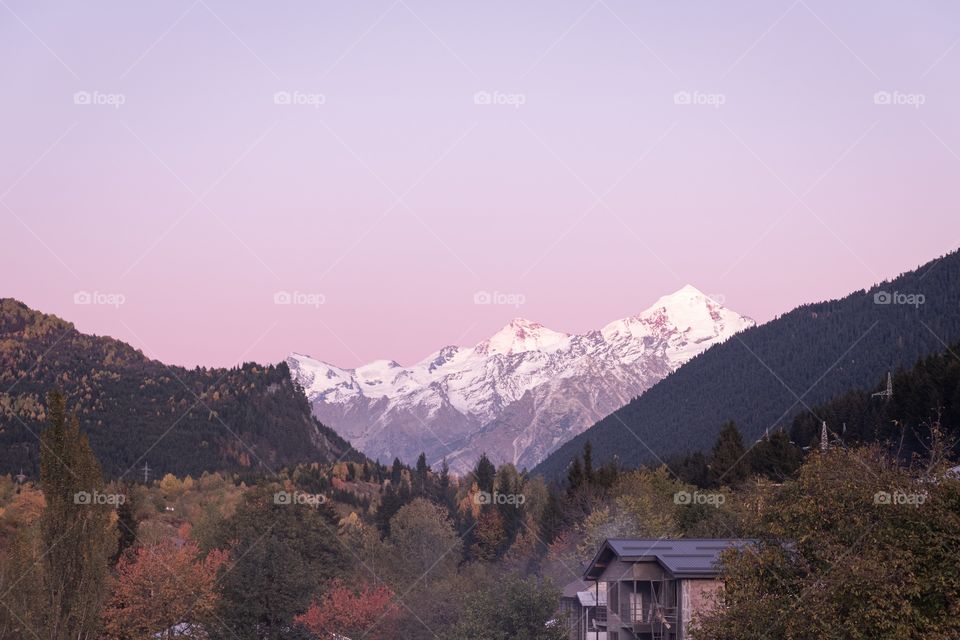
489	536
362	612
160	586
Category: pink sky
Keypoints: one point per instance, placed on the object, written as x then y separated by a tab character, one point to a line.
584	187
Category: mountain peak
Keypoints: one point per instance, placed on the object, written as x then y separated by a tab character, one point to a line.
686	292
520	335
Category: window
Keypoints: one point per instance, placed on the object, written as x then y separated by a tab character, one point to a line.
636	607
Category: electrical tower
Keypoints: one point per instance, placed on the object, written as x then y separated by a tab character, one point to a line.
886	393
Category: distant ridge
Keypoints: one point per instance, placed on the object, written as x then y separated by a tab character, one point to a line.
135	410
767	374
517	395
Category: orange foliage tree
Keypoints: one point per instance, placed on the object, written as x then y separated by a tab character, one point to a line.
159	587
367	612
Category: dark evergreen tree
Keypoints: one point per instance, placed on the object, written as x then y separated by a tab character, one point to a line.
588	463
126	527
552	521
396	471
775	457
728	461
484	473
575	477
693	469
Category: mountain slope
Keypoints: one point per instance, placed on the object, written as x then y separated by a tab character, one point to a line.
519	394
767	374
137	410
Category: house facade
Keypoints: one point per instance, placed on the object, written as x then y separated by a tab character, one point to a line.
581	605
655	588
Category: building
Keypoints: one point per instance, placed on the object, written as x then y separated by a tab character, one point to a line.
581	604
654	588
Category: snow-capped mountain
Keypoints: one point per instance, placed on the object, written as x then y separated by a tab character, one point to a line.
519	394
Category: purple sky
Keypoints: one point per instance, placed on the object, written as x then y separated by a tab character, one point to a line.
387	192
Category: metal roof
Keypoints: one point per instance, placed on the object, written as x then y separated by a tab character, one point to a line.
685	557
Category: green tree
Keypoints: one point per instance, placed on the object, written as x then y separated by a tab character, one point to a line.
282	551
424	544
514	609
63	560
872	552
775	457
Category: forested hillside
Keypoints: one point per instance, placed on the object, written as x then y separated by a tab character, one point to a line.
138	410
925	396
764	376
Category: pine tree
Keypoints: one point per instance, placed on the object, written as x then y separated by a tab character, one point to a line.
575	476
126	528
485	473
728	463
588	462
396	471
423	475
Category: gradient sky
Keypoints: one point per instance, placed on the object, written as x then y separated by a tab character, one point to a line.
398	198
